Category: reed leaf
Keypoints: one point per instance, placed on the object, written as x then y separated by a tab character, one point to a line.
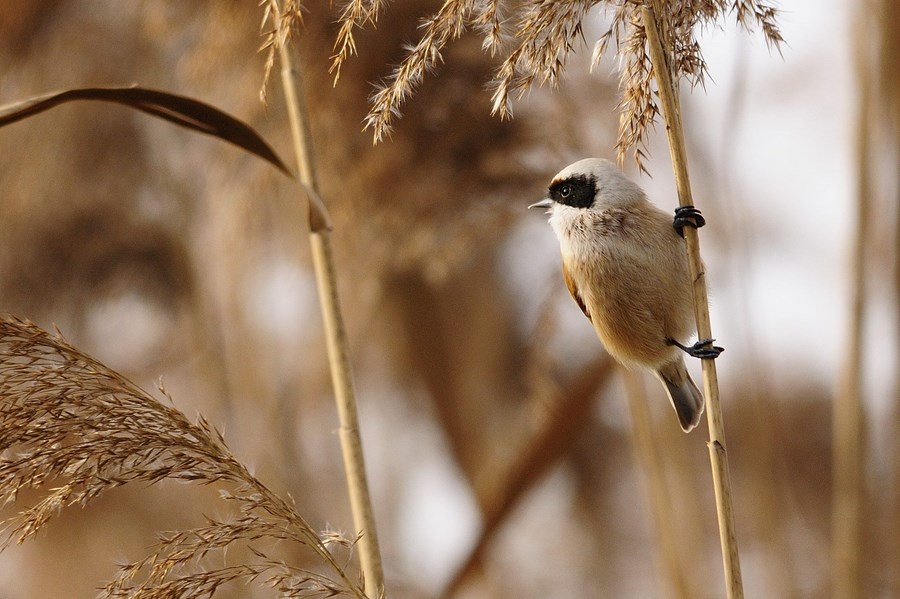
181	110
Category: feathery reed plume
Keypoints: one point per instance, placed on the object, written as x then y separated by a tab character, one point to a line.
545	33
355	14
68	419
276	30
445	26
677	23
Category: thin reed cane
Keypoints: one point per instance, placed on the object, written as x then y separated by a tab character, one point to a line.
335	334
847	428
883	81
717	455
651	462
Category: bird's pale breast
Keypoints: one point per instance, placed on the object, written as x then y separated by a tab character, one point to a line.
631	273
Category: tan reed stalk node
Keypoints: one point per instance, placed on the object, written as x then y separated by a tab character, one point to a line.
335	333
717	454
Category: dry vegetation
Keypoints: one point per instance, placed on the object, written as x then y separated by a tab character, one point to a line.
162	253
69	421
534	42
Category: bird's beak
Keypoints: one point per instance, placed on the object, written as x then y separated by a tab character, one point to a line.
545	203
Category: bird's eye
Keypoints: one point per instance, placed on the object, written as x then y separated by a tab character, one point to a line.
565	191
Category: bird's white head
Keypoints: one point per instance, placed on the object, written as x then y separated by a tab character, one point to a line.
592	184
580	199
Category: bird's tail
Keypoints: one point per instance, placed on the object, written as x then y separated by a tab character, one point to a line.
683	393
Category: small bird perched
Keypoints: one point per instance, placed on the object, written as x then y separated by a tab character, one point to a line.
625	264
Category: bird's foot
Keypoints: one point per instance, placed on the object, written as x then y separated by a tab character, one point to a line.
703	349
687	216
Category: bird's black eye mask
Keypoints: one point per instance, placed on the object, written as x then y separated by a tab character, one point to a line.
577	191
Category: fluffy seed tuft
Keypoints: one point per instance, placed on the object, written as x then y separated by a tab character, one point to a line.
533	39
67	419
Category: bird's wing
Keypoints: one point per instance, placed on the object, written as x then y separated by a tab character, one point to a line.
573	289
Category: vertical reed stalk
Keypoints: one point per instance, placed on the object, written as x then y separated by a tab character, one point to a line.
887	14
847	427
894	497
647	451
718	457
335	334
894	535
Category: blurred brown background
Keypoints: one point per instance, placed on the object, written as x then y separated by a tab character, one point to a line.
488	407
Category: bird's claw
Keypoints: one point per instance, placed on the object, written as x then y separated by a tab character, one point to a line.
687	216
703	349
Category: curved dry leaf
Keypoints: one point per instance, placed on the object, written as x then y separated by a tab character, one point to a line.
181	110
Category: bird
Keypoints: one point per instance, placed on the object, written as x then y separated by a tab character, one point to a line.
625	264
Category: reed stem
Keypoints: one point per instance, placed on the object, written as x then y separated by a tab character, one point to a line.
651	461
847	414
335	333
668	95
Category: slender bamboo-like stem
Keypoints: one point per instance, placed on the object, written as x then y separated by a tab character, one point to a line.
647	451
718	457
335	334
886	106
894	535
847	428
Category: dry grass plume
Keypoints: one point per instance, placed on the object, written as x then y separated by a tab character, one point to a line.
533	40
68	420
